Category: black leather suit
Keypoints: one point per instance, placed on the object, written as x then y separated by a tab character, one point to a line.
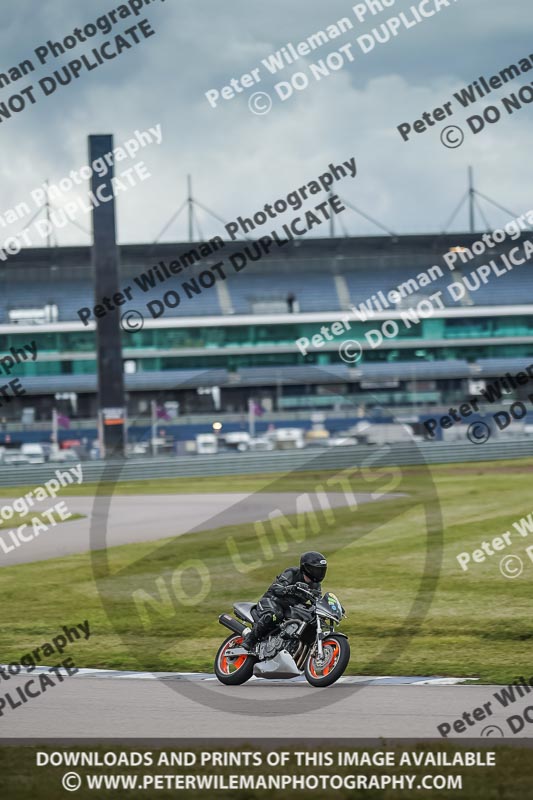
276	602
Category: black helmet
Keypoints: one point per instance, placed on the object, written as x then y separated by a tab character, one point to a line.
314	565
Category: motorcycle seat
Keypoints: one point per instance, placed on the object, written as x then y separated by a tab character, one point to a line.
245	610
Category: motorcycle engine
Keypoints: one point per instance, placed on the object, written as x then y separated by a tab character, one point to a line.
289	629
284	640
272	646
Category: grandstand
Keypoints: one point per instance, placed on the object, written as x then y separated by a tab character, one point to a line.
240	334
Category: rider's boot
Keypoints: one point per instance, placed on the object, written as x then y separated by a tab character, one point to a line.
250	640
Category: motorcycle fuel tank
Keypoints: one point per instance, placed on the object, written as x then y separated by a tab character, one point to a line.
281	666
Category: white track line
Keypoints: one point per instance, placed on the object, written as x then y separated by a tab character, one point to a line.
391	680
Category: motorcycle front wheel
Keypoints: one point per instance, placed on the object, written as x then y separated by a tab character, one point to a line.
325	671
233	671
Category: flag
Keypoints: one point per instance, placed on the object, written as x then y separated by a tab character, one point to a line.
255	409
162	413
63	421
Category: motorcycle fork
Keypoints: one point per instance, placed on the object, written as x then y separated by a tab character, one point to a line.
319	637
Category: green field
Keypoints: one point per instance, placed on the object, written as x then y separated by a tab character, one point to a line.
464	624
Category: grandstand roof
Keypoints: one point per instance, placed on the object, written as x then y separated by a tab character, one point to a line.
324	275
140	256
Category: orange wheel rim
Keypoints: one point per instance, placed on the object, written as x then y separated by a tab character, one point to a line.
332	661
226	664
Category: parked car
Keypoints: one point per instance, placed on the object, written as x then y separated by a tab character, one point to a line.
206	444
14	457
60	456
36	453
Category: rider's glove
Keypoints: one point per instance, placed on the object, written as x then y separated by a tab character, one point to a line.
290	591
303	591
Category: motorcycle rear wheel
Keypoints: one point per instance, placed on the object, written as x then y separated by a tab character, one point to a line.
337	656
233	671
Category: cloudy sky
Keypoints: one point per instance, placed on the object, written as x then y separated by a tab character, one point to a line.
238	160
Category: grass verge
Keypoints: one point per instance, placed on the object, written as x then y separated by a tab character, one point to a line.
479	623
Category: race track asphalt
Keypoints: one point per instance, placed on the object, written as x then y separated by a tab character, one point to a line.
85	706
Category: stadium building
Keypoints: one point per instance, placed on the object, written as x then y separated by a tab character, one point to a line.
232	316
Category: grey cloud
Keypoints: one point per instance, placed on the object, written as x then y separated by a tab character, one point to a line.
239	161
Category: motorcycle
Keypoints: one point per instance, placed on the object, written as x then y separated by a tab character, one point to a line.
304	643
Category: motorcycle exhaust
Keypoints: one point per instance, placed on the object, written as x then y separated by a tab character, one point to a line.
232	624
301	656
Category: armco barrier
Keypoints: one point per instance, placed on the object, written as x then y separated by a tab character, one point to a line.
334	458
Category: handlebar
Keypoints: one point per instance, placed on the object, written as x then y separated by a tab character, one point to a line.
303	590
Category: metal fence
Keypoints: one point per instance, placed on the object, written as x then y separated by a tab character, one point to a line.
335	458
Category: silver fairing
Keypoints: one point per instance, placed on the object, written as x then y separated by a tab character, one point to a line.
281	666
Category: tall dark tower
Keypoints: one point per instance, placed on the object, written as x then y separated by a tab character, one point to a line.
105	264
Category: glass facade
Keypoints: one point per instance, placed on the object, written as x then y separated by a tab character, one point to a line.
63	353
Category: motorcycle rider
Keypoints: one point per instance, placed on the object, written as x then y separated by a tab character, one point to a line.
286	590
